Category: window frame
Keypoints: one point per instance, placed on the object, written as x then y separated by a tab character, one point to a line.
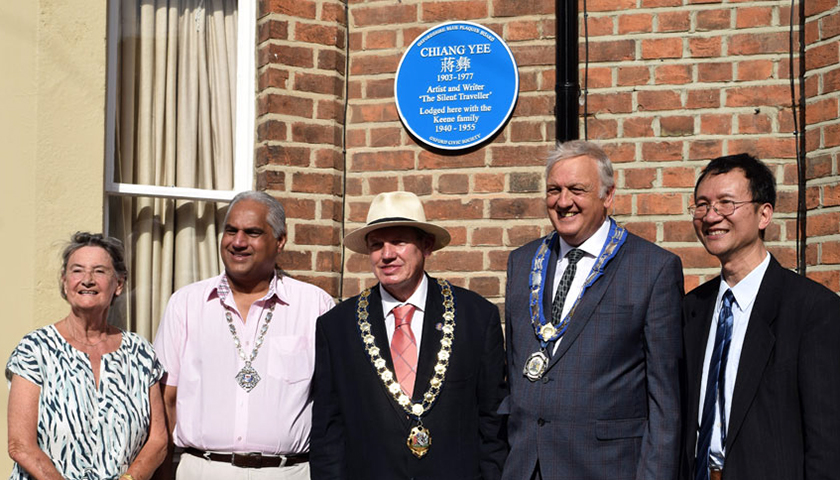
243	160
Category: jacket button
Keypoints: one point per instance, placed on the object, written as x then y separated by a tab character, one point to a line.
546	379
541	422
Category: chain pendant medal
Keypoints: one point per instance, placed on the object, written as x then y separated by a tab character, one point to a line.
419	440
248	378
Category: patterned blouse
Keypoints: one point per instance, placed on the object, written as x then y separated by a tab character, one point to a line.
87	433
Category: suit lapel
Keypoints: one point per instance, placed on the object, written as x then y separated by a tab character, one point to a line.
430	343
380	333
696	334
591	298
758	345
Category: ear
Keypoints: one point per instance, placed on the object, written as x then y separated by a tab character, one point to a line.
609	197
120	285
765	215
281	242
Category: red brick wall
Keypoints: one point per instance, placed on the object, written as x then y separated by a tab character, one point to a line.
672	84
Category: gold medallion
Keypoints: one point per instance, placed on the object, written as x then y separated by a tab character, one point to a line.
419	441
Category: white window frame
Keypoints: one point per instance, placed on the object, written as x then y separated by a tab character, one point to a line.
243	168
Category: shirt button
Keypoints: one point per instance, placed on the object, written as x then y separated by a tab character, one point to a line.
239	439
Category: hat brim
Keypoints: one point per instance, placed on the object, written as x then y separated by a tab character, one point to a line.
357	239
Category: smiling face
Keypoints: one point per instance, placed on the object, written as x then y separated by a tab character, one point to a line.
397	257
734	238
249	249
572	199
89	282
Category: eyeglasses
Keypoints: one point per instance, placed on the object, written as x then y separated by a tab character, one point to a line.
724	208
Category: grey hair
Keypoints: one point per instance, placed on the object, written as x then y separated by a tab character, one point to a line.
581	148
276	217
113	246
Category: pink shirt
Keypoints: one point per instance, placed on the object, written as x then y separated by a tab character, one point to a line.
196	347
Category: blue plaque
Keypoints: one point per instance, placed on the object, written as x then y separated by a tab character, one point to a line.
456	85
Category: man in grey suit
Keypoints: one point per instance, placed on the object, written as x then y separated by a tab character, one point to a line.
593	326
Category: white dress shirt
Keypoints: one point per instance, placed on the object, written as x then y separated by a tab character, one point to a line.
744	292
591	249
418	299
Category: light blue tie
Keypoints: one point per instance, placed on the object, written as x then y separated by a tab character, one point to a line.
715	389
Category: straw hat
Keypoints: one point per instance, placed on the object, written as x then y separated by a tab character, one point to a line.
395	209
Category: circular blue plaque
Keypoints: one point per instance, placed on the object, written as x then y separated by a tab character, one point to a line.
456	85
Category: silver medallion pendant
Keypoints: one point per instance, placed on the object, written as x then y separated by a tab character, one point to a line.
247	378
535	366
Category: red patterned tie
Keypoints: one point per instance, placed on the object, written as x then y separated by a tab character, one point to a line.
404	348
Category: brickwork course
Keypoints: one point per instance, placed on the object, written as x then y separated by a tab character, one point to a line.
671	85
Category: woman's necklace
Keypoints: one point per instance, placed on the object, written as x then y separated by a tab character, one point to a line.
83	342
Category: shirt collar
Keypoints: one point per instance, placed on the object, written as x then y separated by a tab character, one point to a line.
418	298
592	246
746	290
276	288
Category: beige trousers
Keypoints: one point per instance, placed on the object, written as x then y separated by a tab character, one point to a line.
195	468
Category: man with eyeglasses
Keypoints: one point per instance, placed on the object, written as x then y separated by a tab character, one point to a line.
762	344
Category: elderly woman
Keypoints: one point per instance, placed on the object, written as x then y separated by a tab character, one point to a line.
84	400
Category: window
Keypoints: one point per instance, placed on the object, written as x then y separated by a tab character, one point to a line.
180	120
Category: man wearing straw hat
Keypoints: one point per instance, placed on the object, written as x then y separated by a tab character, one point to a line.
409	374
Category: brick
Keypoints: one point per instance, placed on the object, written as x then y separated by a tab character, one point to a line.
821	111
830	253
533	55
639	178
610	5
713	19
635	23
319	34
678	21
458	236
829	26
661	3
498	260
294	260
382	160
491	183
704	47
757	43
356	138
373	64
822	56
819	6
529	82
678	126
748	17
831	81
633	75
517	208
755	70
453	10
515	8
830	279
397	13
271	180
646	230
328	262
292	8
385	137
486	286
518	156
770	95
487	236
521	30
703	98
622	204
317	134
755	123
818	167
620	152
672	74
328	109
273	30
379	88
273	78
602	128
678	231
309	234
522	234
332	210
287	55
705	149
611	51
599	26
662	151
637	127
454	183
659	204
377	185
658	100
526	131
315	183
453	209
271	130
662	48
785	255
334	13
715	124
283	155
696	257
532	105
764	147
831	136
831	195
286	105
374	113
299	208
433	161
380	39
522	182
455	261
353	187
615	102
418	184
714	72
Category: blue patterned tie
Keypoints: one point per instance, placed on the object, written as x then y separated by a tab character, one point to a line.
715	389
574	255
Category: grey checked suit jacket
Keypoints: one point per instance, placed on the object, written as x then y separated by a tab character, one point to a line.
609	405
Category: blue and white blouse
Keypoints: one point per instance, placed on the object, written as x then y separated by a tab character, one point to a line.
88	433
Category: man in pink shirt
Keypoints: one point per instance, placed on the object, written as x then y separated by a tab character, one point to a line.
239	351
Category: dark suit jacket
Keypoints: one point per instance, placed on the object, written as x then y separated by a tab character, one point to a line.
785	417
608	406
359	431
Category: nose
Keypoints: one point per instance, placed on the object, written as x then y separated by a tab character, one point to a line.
564	199
388	251
88	278
711	215
239	240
